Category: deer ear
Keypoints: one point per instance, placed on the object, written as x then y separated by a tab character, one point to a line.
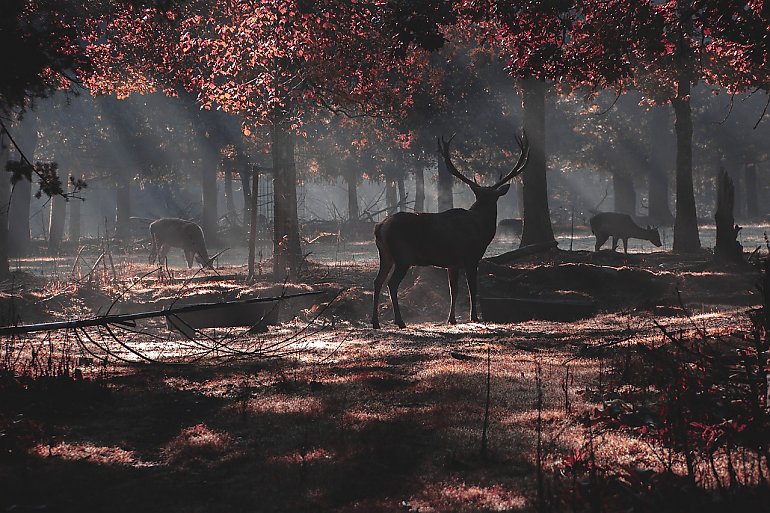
503	189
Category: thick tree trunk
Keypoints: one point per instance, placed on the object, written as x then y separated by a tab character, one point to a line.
419	184
123	206
401	193
351	177
209	196
18	219
537	216
750	184
686	238
727	248
287	252
658	209
57	216
391	200
5	268
625	193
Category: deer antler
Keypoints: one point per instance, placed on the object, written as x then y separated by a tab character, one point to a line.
443	149
520	164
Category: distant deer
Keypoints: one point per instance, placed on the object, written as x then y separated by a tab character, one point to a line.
171	232
452	239
620	226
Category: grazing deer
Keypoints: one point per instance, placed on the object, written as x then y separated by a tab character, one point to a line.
171	232
452	239
620	226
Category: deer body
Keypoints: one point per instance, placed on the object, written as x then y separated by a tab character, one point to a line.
454	239
178	233
620	227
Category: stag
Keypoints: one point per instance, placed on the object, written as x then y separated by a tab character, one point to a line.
454	239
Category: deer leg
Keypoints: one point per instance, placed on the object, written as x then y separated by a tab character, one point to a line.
471	276
614	243
625	246
153	252
188	255
385	265
393	283
163	255
600	240
452	273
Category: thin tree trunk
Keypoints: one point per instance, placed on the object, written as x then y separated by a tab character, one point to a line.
686	238
419	184
287	252
401	193
229	200
444	182
245	174
57	216
209	196
537	217
625	193
5	268
254	195
18	219
351	177
123	206
74	225
391	201
750	183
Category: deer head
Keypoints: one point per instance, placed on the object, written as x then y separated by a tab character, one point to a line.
483	193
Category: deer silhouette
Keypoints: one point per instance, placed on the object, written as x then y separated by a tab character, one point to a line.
454	239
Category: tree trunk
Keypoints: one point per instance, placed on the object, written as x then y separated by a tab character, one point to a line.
229	200
18	219
401	193
444	182
686	238
625	193
57	216
74	222
419	184
123	206
727	248
537	216
750	183
391	201
5	268
287	252
209	196
254	195
351	177
74	226
245	173
658	208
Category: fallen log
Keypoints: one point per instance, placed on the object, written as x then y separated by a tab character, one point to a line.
522	252
129	319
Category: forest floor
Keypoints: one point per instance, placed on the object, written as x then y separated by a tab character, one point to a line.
322	413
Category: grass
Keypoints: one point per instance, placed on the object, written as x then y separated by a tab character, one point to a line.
350	419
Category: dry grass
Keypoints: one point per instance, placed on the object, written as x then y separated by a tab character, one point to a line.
349	419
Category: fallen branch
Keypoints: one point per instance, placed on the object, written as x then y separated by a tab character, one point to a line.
522	252
129	319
